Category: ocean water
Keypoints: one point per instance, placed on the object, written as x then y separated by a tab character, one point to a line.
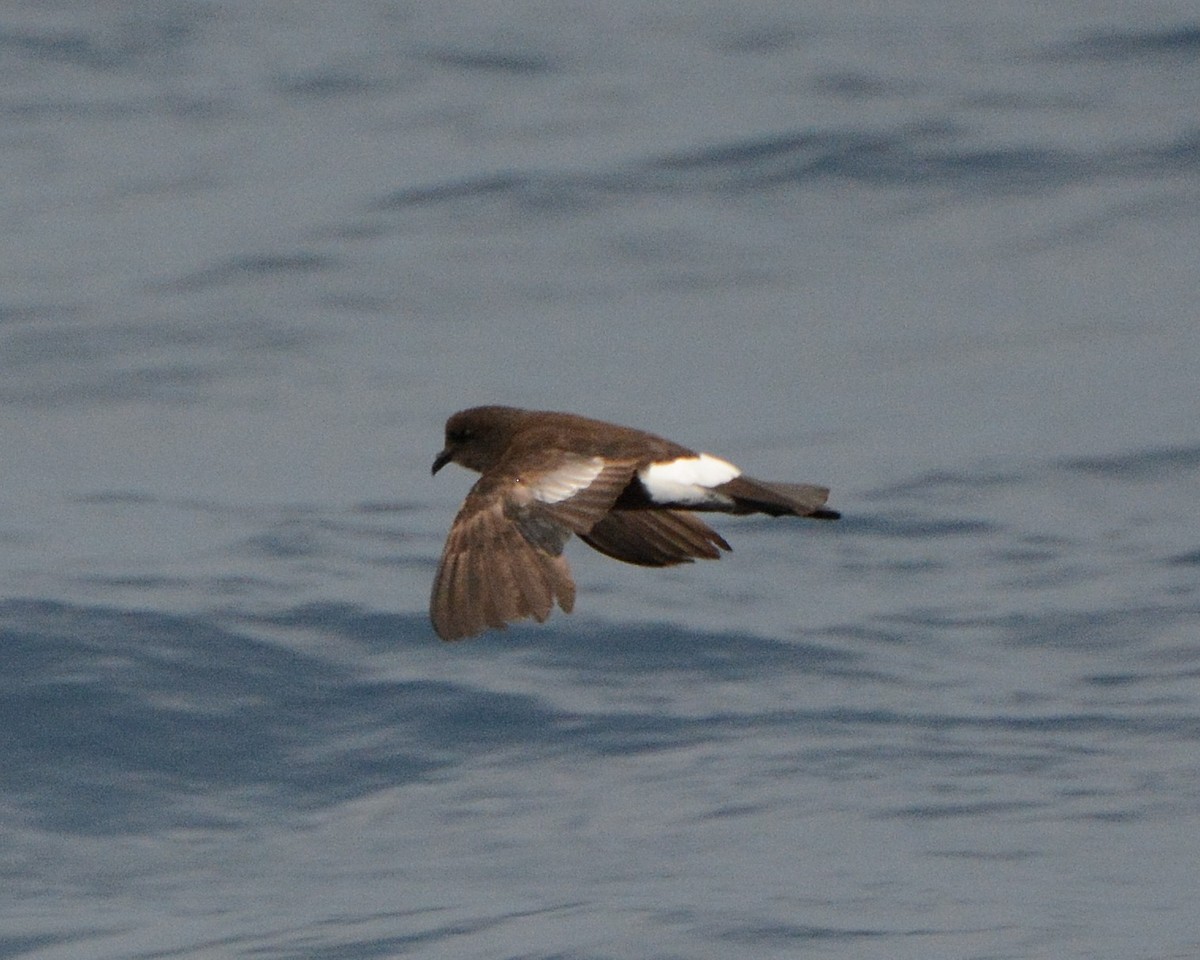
939	256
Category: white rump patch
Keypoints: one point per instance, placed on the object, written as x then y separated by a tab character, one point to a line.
567	480
688	479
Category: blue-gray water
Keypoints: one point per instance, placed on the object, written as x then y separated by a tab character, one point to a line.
940	256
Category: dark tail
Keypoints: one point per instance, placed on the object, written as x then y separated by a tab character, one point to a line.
779	499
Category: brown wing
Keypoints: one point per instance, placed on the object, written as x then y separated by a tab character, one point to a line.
503	557
578	491
654	538
494	571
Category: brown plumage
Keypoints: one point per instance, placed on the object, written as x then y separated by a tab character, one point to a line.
544	476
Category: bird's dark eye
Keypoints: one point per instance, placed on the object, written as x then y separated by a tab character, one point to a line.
458	436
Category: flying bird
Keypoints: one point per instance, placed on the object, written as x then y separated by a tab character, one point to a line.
544	476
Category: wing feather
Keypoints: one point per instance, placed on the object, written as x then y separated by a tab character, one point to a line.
503	556
490	574
655	538
594	482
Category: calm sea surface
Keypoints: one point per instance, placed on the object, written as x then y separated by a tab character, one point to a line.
940	256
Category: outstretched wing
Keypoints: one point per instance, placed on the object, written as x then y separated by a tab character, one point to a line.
494	571
503	557
654	538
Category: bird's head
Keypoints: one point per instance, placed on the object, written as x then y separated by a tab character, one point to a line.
477	438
